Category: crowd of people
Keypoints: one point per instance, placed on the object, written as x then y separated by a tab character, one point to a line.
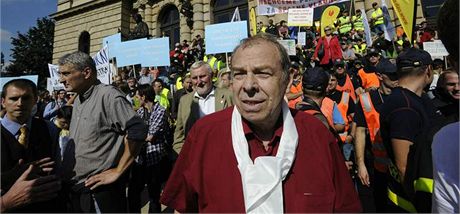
342	126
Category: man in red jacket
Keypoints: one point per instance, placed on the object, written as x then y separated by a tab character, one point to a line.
241	159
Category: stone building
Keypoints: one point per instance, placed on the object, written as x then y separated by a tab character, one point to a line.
81	24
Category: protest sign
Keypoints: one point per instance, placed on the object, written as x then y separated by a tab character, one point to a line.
289	44
300	17
435	48
102	65
272	7
155	52
110	41
223	38
302	38
54	77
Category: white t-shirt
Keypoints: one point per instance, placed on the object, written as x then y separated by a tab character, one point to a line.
207	104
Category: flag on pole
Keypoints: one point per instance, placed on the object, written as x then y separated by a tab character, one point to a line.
389	29
406	10
367	29
236	15
102	65
253	21
328	17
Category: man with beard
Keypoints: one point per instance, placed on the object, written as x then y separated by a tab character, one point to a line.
207	99
372	167
447	94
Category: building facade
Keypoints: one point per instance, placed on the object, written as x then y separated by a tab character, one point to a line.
82	24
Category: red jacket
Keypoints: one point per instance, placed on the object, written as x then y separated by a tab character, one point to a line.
332	50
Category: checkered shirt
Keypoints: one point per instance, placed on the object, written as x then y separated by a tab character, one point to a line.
156	119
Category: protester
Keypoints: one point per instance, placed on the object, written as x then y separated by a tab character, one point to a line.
151	167
260	126
26	141
206	100
405	116
446	142
53	106
102	119
328	49
371	157
186	88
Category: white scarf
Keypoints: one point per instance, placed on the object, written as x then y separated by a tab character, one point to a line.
262	180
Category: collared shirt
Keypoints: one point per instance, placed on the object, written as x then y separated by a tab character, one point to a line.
145	79
153	152
206	178
14	127
101	117
207	104
51	110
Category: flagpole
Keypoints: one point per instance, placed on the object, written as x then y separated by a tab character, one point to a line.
110	67
413	23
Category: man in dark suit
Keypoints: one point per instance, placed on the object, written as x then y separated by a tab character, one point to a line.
26	141
205	100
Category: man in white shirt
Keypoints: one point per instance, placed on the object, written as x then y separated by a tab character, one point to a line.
205	100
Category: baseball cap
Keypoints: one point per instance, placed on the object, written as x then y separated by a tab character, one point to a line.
387	68
315	79
413	57
372	51
295	65
339	62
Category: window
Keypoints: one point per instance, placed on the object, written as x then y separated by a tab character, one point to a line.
84	42
169	24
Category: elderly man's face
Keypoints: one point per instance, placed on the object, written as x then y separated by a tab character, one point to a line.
73	80
18	103
451	86
258	85
201	80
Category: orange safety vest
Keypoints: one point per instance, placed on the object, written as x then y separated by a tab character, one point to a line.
295	89
327	107
369	79
347	87
381	160
343	108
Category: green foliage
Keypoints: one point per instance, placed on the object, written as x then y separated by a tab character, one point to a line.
33	50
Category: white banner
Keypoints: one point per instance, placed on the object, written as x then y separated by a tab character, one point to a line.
435	48
300	17
367	29
272	7
289	44
302	38
53	81
102	65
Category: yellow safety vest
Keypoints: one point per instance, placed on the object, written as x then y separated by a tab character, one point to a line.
344	28
376	13
162	99
360	50
358	23
179	83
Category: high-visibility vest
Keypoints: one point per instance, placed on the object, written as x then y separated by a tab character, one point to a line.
212	61
371	115
344	28
347	87
358	23
179	83
295	89
376	13
263	29
162	99
360	50
327	108
343	109
368	79
400	42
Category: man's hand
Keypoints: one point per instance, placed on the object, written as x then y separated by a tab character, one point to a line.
25	191
103	178
45	165
363	175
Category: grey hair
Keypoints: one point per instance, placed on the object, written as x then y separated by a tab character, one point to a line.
78	60
199	64
264	37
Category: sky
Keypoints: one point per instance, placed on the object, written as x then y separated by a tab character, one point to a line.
20	15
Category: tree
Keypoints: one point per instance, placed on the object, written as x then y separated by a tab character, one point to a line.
33	50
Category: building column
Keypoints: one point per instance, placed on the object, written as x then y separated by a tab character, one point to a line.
198	18
148	18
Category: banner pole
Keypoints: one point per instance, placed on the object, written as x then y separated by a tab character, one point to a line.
110	67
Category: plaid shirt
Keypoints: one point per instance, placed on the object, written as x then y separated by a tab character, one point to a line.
153	152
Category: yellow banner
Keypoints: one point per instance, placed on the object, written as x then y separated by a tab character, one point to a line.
405	12
328	17
253	21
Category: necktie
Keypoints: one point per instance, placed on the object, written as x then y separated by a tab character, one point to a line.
24	132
